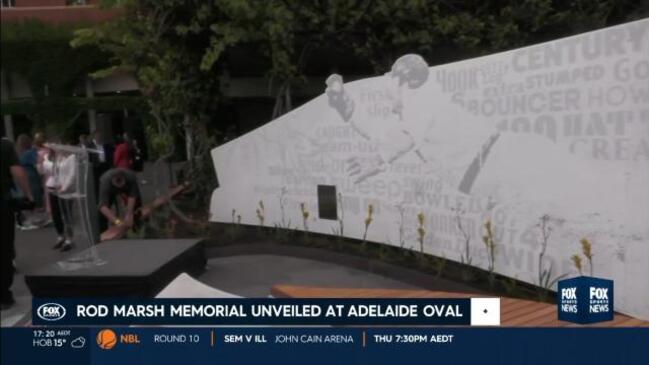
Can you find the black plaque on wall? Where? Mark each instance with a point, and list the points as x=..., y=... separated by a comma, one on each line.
x=327, y=203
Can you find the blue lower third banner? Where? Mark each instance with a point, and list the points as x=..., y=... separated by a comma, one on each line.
x=328, y=345
x=266, y=311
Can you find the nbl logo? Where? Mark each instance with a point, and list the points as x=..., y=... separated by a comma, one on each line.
x=585, y=300
x=106, y=339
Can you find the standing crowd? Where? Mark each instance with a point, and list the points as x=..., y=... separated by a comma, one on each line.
x=31, y=188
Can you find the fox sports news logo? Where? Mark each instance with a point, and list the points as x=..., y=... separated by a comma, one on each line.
x=51, y=311
x=598, y=301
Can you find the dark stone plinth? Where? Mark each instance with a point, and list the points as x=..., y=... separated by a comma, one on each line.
x=131, y=268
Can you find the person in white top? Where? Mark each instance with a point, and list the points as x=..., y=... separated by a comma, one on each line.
x=58, y=206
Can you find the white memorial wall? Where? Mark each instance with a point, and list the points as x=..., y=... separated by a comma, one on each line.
x=558, y=129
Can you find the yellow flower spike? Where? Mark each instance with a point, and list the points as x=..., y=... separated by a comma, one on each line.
x=421, y=231
x=586, y=248
x=577, y=261
x=421, y=218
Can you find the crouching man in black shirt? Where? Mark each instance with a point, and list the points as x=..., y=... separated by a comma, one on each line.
x=121, y=184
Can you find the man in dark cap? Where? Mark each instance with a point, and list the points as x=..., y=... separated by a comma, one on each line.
x=115, y=185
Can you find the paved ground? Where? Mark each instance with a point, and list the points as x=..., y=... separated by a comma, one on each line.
x=33, y=250
x=248, y=276
x=254, y=275
x=34, y=247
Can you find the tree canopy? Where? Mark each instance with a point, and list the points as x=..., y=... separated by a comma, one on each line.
x=41, y=54
x=177, y=48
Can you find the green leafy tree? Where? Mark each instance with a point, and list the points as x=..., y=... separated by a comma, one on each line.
x=176, y=48
x=40, y=53
x=163, y=43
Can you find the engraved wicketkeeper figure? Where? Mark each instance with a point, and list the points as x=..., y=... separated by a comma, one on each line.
x=409, y=71
x=401, y=134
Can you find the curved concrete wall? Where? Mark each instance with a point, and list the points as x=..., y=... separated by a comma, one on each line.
x=558, y=129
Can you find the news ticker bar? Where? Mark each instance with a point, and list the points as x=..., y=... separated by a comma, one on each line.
x=323, y=345
x=266, y=311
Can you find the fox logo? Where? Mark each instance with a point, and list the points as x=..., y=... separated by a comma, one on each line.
x=568, y=293
x=598, y=293
x=51, y=311
x=585, y=299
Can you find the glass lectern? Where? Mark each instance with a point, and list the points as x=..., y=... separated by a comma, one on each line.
x=73, y=173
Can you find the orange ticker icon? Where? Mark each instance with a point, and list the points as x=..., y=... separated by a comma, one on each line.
x=106, y=339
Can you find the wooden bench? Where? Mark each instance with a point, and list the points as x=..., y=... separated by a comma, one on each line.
x=513, y=312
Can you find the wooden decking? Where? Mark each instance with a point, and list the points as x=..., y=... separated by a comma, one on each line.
x=513, y=312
